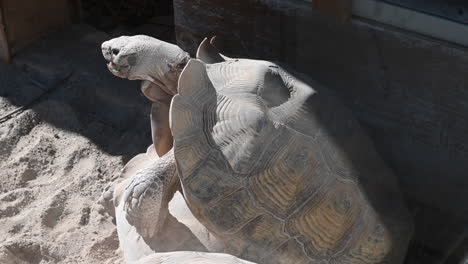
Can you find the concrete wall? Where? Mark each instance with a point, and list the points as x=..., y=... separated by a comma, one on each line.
x=409, y=92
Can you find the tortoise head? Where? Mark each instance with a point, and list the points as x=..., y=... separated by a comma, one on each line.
x=145, y=58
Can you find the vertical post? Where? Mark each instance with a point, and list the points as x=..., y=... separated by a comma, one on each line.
x=340, y=9
x=5, y=55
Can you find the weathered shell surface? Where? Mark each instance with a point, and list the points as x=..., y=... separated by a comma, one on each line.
x=280, y=172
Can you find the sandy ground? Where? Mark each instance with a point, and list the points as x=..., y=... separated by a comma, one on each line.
x=58, y=154
x=50, y=181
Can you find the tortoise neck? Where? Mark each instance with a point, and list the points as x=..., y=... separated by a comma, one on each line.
x=169, y=80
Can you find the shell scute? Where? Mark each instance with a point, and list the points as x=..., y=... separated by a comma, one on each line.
x=237, y=76
x=264, y=234
x=326, y=223
x=291, y=252
x=294, y=176
x=372, y=246
x=240, y=126
x=258, y=238
x=212, y=181
x=193, y=155
x=233, y=212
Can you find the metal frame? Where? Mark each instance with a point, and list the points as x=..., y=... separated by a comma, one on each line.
x=411, y=20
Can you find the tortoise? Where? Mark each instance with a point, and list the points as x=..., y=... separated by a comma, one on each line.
x=278, y=171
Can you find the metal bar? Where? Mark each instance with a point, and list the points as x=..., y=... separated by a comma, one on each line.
x=410, y=20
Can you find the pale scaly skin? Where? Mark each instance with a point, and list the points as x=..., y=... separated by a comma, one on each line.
x=160, y=130
x=159, y=65
x=139, y=199
x=143, y=203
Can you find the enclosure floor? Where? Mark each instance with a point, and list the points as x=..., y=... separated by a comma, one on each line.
x=58, y=154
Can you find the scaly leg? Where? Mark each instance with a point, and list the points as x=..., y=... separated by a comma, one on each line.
x=144, y=223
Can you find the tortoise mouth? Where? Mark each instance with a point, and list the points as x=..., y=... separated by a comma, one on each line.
x=121, y=71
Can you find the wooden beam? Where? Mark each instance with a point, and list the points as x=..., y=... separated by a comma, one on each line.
x=5, y=54
x=340, y=9
x=27, y=20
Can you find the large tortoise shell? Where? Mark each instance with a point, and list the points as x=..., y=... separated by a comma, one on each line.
x=280, y=172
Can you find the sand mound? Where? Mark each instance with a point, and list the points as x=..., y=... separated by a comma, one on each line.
x=50, y=181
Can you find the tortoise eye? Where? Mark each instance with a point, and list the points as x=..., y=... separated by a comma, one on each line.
x=115, y=52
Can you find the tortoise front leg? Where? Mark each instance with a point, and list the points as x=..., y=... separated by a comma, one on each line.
x=160, y=129
x=146, y=198
x=114, y=190
x=144, y=206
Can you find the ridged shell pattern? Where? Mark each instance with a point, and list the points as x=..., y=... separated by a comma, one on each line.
x=259, y=171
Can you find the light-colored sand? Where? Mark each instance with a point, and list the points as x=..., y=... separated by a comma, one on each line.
x=58, y=155
x=50, y=180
